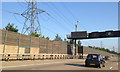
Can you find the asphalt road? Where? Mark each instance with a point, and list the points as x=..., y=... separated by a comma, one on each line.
x=72, y=64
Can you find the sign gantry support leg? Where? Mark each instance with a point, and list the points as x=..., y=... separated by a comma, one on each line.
x=75, y=47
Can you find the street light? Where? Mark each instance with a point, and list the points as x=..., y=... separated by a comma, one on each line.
x=76, y=25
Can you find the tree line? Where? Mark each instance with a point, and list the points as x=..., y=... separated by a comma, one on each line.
x=103, y=49
x=10, y=27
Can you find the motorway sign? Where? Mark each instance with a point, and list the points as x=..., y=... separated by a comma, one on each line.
x=85, y=35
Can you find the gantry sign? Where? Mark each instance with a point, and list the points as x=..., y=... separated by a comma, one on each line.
x=84, y=35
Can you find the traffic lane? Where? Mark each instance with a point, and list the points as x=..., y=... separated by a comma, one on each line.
x=79, y=65
x=61, y=66
x=36, y=62
x=111, y=64
x=40, y=65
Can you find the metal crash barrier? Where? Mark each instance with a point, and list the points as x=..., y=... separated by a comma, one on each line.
x=7, y=57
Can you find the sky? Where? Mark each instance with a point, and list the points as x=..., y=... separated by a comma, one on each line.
x=93, y=16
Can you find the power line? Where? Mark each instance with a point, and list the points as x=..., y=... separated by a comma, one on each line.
x=55, y=19
x=57, y=14
x=50, y=30
x=61, y=13
x=22, y=6
x=41, y=25
x=44, y=18
x=34, y=25
x=17, y=19
x=19, y=3
x=69, y=11
x=31, y=13
x=75, y=18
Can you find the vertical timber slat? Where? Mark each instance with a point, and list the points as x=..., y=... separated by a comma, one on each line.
x=5, y=42
x=30, y=42
x=19, y=43
x=52, y=46
x=61, y=47
x=47, y=47
x=58, y=47
x=39, y=44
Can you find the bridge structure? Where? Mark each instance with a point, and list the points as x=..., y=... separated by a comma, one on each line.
x=79, y=35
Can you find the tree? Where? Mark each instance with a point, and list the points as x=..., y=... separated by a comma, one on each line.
x=57, y=38
x=79, y=43
x=90, y=46
x=103, y=49
x=65, y=40
x=118, y=53
x=10, y=27
x=43, y=36
x=71, y=42
x=35, y=34
x=47, y=38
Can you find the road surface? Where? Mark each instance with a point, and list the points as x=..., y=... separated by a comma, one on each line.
x=64, y=64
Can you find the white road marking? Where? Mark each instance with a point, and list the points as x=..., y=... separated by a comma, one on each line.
x=27, y=65
x=111, y=67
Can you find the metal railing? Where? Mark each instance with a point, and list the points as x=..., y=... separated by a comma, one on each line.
x=12, y=56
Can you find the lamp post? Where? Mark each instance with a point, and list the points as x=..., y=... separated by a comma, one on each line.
x=76, y=25
x=76, y=31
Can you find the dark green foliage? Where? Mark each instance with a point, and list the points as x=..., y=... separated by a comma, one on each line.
x=43, y=36
x=65, y=40
x=71, y=42
x=57, y=38
x=79, y=43
x=107, y=50
x=103, y=49
x=118, y=53
x=47, y=38
x=35, y=34
x=90, y=46
x=10, y=27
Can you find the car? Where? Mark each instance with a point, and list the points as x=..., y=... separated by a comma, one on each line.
x=107, y=57
x=95, y=60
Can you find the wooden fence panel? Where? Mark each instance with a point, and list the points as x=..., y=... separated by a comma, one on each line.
x=35, y=42
x=25, y=40
x=45, y=46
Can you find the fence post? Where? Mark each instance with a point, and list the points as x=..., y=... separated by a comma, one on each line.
x=30, y=42
x=39, y=44
x=5, y=42
x=61, y=47
x=47, y=47
x=19, y=42
x=58, y=47
x=52, y=46
x=64, y=49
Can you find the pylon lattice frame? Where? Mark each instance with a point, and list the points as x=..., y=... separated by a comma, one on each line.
x=31, y=14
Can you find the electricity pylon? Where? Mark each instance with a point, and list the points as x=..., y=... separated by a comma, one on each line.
x=31, y=15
